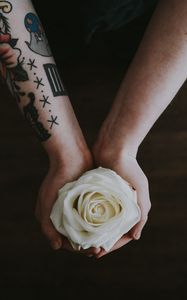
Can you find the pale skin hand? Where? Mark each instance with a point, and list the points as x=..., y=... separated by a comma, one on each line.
x=60, y=173
x=128, y=168
x=157, y=72
x=67, y=163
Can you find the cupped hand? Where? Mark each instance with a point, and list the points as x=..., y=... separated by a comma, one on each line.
x=128, y=168
x=57, y=176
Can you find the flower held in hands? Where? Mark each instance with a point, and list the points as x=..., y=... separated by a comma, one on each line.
x=95, y=210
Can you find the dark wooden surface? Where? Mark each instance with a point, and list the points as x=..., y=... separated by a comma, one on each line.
x=154, y=267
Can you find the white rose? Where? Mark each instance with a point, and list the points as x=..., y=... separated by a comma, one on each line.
x=96, y=210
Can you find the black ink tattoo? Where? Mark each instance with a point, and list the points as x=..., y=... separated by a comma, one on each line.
x=4, y=25
x=54, y=80
x=45, y=100
x=19, y=73
x=38, y=41
x=21, y=93
x=31, y=64
x=18, y=93
x=6, y=6
x=31, y=115
x=39, y=82
x=53, y=121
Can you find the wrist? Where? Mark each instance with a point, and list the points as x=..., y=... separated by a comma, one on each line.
x=108, y=147
x=69, y=158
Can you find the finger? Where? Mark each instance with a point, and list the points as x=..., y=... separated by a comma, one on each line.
x=10, y=64
x=55, y=239
x=122, y=242
x=92, y=251
x=137, y=229
x=7, y=55
x=144, y=204
x=143, y=200
x=52, y=235
x=66, y=244
x=139, y=181
x=5, y=48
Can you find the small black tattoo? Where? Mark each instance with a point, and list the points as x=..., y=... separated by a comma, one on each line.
x=31, y=115
x=31, y=64
x=45, y=100
x=19, y=73
x=53, y=121
x=54, y=80
x=38, y=82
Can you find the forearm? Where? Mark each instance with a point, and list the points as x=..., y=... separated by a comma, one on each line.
x=28, y=68
x=158, y=70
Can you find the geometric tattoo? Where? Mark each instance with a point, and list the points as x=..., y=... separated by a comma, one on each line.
x=38, y=82
x=53, y=121
x=45, y=100
x=31, y=64
x=54, y=80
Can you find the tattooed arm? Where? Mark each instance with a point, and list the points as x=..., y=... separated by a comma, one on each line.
x=158, y=70
x=28, y=68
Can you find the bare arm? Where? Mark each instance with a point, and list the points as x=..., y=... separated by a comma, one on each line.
x=158, y=70
x=155, y=75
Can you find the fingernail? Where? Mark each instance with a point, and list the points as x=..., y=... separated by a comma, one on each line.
x=97, y=250
x=137, y=235
x=90, y=255
x=56, y=245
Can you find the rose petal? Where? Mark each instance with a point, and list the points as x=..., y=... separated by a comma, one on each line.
x=96, y=210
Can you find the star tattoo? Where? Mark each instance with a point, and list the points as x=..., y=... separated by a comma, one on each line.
x=38, y=82
x=53, y=121
x=31, y=63
x=44, y=100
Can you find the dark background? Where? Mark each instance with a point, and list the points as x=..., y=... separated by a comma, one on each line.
x=154, y=267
